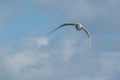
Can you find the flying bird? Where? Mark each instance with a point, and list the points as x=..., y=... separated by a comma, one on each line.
x=78, y=27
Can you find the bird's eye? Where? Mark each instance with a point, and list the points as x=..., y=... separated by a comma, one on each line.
x=77, y=27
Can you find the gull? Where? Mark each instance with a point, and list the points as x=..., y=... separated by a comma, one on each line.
x=78, y=27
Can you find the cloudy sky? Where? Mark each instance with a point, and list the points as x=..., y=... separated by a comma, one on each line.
x=27, y=53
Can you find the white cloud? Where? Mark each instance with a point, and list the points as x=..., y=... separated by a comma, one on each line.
x=71, y=60
x=27, y=59
x=42, y=41
x=68, y=49
x=19, y=61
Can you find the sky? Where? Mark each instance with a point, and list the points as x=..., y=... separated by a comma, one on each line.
x=27, y=53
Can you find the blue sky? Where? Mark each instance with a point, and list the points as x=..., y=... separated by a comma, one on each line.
x=27, y=53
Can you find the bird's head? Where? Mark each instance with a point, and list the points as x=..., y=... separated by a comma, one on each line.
x=79, y=27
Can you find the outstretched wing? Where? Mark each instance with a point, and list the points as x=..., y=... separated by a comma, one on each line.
x=72, y=24
x=86, y=32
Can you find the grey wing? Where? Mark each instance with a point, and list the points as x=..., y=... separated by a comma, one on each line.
x=62, y=26
x=86, y=32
